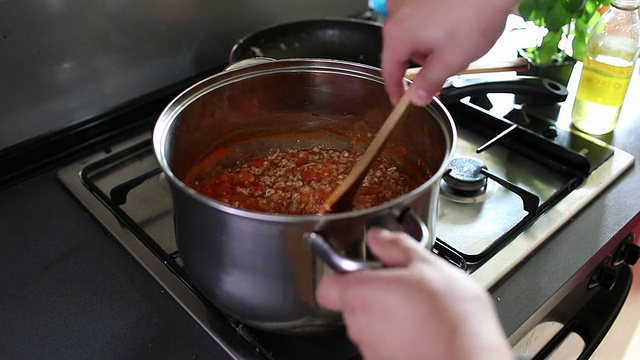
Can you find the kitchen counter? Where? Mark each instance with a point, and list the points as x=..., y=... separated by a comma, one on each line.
x=559, y=264
x=69, y=290
x=622, y=341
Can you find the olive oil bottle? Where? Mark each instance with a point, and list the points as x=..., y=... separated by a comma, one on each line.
x=608, y=64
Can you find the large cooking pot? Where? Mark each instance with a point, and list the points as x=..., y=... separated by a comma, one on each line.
x=258, y=267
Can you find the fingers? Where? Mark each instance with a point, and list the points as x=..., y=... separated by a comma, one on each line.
x=394, y=61
x=329, y=292
x=430, y=79
x=424, y=32
x=393, y=249
x=398, y=49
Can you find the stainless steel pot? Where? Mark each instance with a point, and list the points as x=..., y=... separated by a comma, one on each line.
x=258, y=267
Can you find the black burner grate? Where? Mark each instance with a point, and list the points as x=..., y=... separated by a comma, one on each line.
x=270, y=346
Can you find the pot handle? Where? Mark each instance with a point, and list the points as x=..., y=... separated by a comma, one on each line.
x=319, y=246
x=518, y=85
x=337, y=262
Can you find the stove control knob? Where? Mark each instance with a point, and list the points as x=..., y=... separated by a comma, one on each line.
x=604, y=275
x=633, y=253
x=627, y=251
x=550, y=133
x=608, y=277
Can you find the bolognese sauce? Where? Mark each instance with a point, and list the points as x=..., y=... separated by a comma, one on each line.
x=297, y=181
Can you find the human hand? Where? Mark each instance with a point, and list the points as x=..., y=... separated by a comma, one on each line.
x=418, y=307
x=443, y=37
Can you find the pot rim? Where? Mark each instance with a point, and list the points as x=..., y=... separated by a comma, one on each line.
x=169, y=114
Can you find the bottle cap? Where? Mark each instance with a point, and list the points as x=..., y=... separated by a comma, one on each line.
x=626, y=4
x=380, y=6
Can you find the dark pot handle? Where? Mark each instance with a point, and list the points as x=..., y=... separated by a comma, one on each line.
x=537, y=87
x=319, y=245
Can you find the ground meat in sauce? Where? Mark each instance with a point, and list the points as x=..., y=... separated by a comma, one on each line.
x=296, y=182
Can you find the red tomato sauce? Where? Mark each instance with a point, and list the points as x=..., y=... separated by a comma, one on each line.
x=297, y=182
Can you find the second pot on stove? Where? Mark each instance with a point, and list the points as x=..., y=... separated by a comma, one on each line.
x=344, y=39
x=360, y=41
x=256, y=266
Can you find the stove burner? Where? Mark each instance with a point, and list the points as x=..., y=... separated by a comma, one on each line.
x=465, y=176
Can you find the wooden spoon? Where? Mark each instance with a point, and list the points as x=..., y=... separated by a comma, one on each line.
x=518, y=64
x=341, y=198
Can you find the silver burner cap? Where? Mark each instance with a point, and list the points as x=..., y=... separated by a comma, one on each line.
x=465, y=176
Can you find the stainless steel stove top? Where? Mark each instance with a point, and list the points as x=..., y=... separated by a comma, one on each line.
x=488, y=233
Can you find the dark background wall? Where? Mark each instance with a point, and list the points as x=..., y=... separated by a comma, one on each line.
x=63, y=61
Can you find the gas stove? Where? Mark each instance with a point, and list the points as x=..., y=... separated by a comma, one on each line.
x=509, y=188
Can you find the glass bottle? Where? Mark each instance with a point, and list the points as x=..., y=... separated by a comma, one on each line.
x=614, y=44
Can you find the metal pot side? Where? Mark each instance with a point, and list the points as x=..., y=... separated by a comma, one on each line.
x=256, y=266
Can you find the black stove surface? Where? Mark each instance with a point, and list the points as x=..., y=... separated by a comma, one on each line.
x=149, y=217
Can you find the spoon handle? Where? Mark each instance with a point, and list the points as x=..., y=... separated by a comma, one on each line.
x=342, y=197
x=518, y=64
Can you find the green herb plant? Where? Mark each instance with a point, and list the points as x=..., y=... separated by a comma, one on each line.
x=560, y=19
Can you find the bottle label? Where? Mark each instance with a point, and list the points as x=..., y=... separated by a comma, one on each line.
x=603, y=83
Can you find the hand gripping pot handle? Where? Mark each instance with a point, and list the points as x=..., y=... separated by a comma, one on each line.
x=319, y=245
